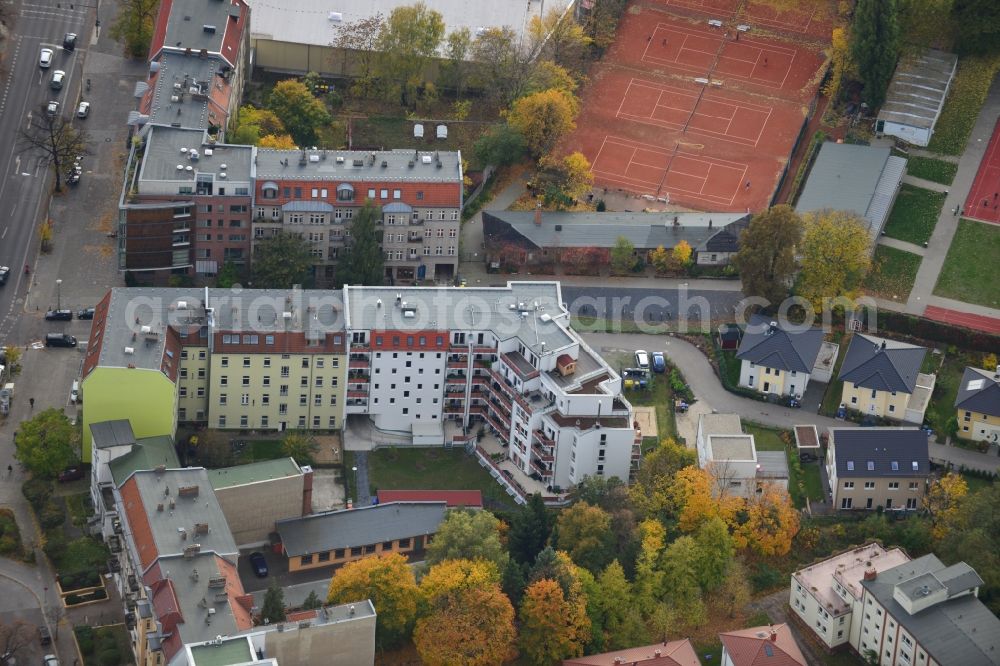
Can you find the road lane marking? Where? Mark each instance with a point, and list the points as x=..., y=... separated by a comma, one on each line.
x=4, y=235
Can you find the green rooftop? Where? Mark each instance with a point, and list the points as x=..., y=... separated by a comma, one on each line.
x=232, y=651
x=146, y=453
x=266, y=470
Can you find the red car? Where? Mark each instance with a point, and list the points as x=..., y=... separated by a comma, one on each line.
x=70, y=474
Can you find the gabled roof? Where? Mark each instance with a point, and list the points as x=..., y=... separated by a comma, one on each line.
x=880, y=452
x=882, y=365
x=763, y=646
x=979, y=392
x=774, y=347
x=674, y=653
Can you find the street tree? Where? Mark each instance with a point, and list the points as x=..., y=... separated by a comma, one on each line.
x=47, y=443
x=977, y=26
x=836, y=256
x=357, y=42
x=12, y=357
x=15, y=637
x=875, y=46
x=623, y=255
x=301, y=446
x=471, y=625
x=472, y=535
x=388, y=581
x=298, y=110
x=584, y=532
x=529, y=531
x=944, y=499
x=503, y=68
x=281, y=261
x=681, y=254
x=134, y=26
x=766, y=258
x=543, y=118
x=552, y=628
x=501, y=146
x=273, y=609
x=362, y=261
x=456, y=68
x=715, y=552
x=408, y=41
x=58, y=142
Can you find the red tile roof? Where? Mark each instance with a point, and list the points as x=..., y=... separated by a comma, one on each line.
x=755, y=647
x=96, y=335
x=674, y=653
x=299, y=616
x=453, y=498
x=135, y=513
x=234, y=588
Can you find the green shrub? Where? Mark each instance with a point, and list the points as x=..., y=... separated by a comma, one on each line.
x=8, y=545
x=85, y=639
x=765, y=578
x=109, y=657
x=37, y=492
x=52, y=514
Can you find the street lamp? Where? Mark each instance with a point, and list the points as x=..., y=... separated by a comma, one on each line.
x=58, y=294
x=357, y=491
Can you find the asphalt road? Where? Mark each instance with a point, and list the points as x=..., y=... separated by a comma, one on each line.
x=652, y=305
x=25, y=176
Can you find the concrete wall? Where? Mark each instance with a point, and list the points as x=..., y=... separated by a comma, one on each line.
x=252, y=509
x=146, y=398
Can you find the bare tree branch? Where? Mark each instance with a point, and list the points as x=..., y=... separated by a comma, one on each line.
x=57, y=140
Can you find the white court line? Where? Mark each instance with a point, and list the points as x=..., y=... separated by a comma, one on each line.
x=787, y=71
x=717, y=37
x=618, y=113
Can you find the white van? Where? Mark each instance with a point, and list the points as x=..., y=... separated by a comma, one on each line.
x=74, y=393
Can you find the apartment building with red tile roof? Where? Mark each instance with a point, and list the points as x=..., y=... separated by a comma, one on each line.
x=772, y=645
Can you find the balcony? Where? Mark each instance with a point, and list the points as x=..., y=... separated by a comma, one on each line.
x=457, y=365
x=478, y=409
x=519, y=365
x=542, y=455
x=357, y=394
x=456, y=379
x=540, y=437
x=545, y=473
x=453, y=409
x=358, y=364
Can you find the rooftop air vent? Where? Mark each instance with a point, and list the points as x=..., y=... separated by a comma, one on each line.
x=129, y=351
x=426, y=159
x=210, y=29
x=314, y=158
x=222, y=176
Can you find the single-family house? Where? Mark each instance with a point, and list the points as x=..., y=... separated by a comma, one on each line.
x=882, y=378
x=776, y=358
x=772, y=645
x=977, y=405
x=732, y=458
x=878, y=467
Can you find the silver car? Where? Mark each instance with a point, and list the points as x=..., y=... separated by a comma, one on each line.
x=57, y=79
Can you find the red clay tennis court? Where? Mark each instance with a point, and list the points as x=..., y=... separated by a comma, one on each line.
x=815, y=20
x=963, y=319
x=984, y=198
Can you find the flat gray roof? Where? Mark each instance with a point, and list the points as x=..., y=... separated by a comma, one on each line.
x=855, y=178
x=918, y=89
x=177, y=74
x=189, y=577
x=188, y=18
x=342, y=165
x=189, y=509
x=721, y=424
x=349, y=528
x=960, y=630
x=315, y=21
x=731, y=447
x=772, y=465
x=497, y=309
x=163, y=156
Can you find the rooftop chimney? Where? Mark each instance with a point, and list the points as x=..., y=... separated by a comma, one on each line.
x=774, y=634
x=871, y=574
x=538, y=215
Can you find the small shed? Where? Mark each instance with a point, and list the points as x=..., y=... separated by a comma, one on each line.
x=729, y=336
x=916, y=96
x=806, y=438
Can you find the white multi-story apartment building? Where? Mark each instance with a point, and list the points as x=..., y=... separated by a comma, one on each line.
x=903, y=612
x=425, y=365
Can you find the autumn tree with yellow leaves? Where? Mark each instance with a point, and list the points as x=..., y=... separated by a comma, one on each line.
x=943, y=500
x=769, y=522
x=543, y=117
x=835, y=256
x=552, y=627
x=389, y=582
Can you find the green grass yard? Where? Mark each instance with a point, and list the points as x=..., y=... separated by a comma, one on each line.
x=835, y=389
x=258, y=450
x=969, y=271
x=928, y=168
x=892, y=274
x=914, y=214
x=769, y=439
x=942, y=405
x=968, y=92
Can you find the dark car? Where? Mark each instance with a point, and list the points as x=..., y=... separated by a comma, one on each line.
x=659, y=363
x=69, y=41
x=43, y=634
x=71, y=474
x=807, y=457
x=4, y=274
x=59, y=315
x=259, y=564
x=86, y=313
x=59, y=340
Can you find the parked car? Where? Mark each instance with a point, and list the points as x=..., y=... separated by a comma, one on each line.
x=74, y=392
x=71, y=474
x=45, y=58
x=86, y=313
x=57, y=79
x=59, y=315
x=59, y=340
x=83, y=110
x=4, y=274
x=43, y=634
x=69, y=41
x=50, y=660
x=642, y=359
x=52, y=108
x=807, y=457
x=259, y=564
x=659, y=363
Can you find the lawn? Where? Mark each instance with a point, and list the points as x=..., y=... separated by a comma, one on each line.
x=942, y=406
x=79, y=508
x=78, y=562
x=729, y=367
x=660, y=397
x=968, y=91
x=258, y=450
x=430, y=469
x=892, y=274
x=104, y=646
x=765, y=439
x=914, y=214
x=768, y=439
x=969, y=271
x=835, y=389
x=928, y=168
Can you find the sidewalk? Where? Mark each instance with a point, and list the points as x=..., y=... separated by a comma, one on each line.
x=968, y=166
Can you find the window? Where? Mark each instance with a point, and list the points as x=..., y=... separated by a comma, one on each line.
x=306, y=559
x=318, y=400
x=916, y=466
x=383, y=194
x=397, y=194
x=913, y=485
x=848, y=484
x=369, y=549
x=223, y=399
x=894, y=485
x=850, y=465
x=404, y=543
x=338, y=554
x=222, y=421
x=871, y=465
x=869, y=485
x=846, y=503
x=895, y=465
x=244, y=421
x=245, y=399
x=223, y=380
x=324, y=556
x=224, y=361
x=246, y=380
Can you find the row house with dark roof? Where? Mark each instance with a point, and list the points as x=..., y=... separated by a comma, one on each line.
x=778, y=358
x=882, y=378
x=878, y=468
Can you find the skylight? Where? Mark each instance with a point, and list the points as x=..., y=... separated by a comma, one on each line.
x=974, y=384
x=871, y=465
x=895, y=465
x=916, y=466
x=850, y=465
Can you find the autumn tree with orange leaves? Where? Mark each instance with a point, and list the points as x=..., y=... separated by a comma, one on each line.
x=552, y=628
x=692, y=501
x=388, y=581
x=770, y=522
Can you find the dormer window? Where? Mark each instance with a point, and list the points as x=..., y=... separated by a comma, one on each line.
x=850, y=465
x=871, y=465
x=916, y=466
